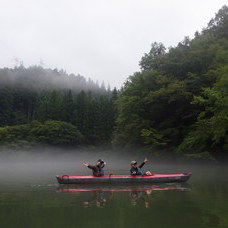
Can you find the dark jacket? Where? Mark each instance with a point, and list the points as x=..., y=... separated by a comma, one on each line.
x=137, y=170
x=97, y=170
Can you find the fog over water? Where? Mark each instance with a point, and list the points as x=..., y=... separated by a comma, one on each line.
x=42, y=167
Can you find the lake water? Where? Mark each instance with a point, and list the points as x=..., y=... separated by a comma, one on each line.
x=31, y=197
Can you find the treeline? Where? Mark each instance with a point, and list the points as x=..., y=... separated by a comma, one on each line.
x=33, y=99
x=179, y=101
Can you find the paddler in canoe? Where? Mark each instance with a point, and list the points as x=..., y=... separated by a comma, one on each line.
x=97, y=169
x=136, y=170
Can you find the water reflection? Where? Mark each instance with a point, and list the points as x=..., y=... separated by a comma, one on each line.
x=98, y=200
x=140, y=198
x=138, y=195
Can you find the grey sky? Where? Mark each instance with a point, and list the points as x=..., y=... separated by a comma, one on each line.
x=100, y=39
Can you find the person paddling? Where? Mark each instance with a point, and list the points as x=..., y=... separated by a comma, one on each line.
x=97, y=169
x=136, y=170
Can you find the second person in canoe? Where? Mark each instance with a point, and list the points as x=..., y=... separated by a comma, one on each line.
x=136, y=170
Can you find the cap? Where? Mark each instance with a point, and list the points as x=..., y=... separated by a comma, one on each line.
x=133, y=162
x=100, y=160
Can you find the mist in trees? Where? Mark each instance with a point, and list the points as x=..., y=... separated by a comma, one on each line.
x=40, y=105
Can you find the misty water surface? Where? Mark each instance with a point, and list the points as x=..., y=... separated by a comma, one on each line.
x=31, y=197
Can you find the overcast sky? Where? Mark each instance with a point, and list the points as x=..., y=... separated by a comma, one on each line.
x=100, y=39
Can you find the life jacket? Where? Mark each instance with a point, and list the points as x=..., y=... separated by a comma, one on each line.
x=137, y=170
x=99, y=172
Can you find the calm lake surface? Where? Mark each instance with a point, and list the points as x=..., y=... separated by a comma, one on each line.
x=31, y=197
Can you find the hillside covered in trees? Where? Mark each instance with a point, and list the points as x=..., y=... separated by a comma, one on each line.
x=177, y=102
x=49, y=106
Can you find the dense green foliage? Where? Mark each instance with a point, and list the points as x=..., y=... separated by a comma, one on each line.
x=67, y=108
x=51, y=132
x=180, y=98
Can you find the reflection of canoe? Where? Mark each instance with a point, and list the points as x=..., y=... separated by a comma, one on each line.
x=123, y=179
x=116, y=188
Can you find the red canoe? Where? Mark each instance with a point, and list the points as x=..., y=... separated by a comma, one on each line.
x=123, y=179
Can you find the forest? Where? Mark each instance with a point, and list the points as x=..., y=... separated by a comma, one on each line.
x=50, y=107
x=177, y=103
